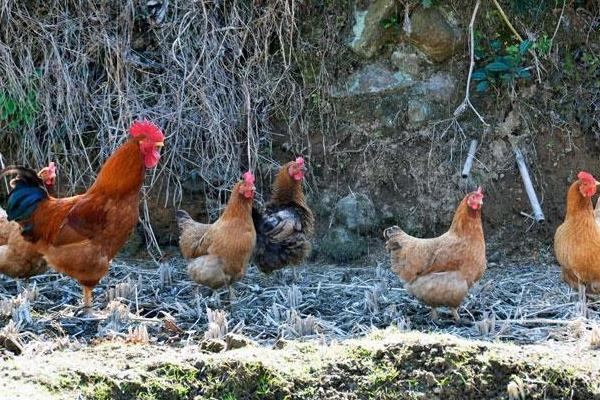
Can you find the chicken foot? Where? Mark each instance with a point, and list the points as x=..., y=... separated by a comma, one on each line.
x=87, y=309
x=435, y=316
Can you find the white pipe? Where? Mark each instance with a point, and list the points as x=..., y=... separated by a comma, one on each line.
x=533, y=200
x=469, y=161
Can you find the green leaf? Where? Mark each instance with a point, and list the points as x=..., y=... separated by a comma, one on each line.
x=496, y=44
x=479, y=53
x=497, y=66
x=479, y=75
x=524, y=73
x=525, y=46
x=426, y=3
x=507, y=78
x=27, y=119
x=10, y=106
x=482, y=86
x=511, y=61
x=513, y=49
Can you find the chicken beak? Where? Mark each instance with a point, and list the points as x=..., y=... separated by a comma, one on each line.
x=597, y=183
x=159, y=144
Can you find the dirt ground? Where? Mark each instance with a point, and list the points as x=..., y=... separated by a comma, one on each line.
x=155, y=313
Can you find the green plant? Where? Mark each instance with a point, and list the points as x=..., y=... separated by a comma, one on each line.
x=501, y=65
x=16, y=113
x=428, y=3
x=543, y=45
x=391, y=22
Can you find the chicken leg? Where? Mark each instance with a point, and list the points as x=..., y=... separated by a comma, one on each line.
x=87, y=297
x=455, y=313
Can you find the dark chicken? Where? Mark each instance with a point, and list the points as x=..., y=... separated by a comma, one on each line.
x=285, y=228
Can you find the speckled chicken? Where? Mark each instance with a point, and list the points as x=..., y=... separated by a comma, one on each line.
x=286, y=226
x=439, y=271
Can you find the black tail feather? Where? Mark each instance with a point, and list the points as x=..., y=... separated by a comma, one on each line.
x=182, y=216
x=24, y=175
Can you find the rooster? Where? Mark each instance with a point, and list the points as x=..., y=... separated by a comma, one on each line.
x=440, y=271
x=577, y=239
x=80, y=235
x=286, y=226
x=18, y=259
x=218, y=253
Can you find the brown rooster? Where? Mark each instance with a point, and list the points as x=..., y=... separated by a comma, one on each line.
x=440, y=271
x=285, y=228
x=80, y=235
x=577, y=239
x=18, y=259
x=218, y=253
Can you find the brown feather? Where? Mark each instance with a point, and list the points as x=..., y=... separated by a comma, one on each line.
x=79, y=235
x=229, y=242
x=438, y=270
x=18, y=258
x=577, y=242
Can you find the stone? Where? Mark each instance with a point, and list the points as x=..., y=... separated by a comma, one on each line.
x=357, y=213
x=235, y=341
x=439, y=86
x=418, y=112
x=11, y=343
x=213, y=345
x=433, y=34
x=368, y=33
x=499, y=150
x=280, y=344
x=373, y=79
x=341, y=245
x=406, y=61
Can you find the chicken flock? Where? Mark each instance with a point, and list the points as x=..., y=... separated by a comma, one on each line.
x=79, y=235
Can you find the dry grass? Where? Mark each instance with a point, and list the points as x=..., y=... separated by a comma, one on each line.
x=517, y=303
x=211, y=75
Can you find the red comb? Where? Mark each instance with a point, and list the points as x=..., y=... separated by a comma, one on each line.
x=585, y=176
x=248, y=178
x=300, y=161
x=52, y=166
x=479, y=190
x=146, y=128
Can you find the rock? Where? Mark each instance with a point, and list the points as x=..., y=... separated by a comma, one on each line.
x=134, y=244
x=368, y=33
x=213, y=345
x=357, y=213
x=433, y=34
x=341, y=245
x=11, y=343
x=373, y=79
x=280, y=344
x=406, y=61
x=499, y=151
x=510, y=124
x=439, y=86
x=235, y=341
x=418, y=112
